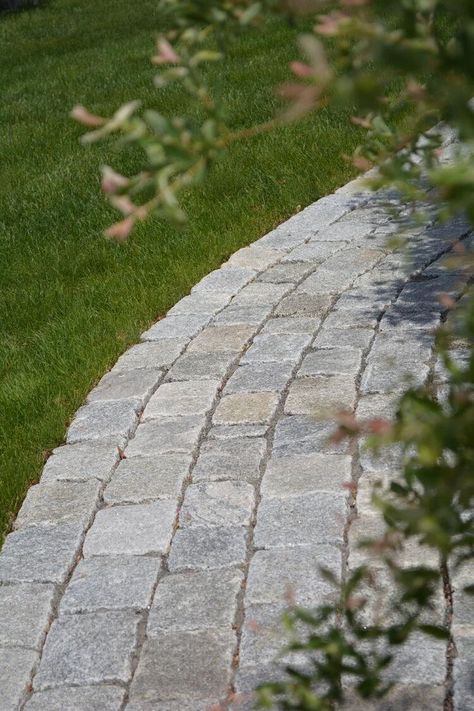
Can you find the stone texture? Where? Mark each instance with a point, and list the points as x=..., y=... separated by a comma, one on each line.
x=177, y=326
x=204, y=303
x=84, y=698
x=152, y=354
x=141, y=479
x=321, y=395
x=292, y=324
x=277, y=348
x=245, y=314
x=114, y=583
x=244, y=407
x=59, y=502
x=102, y=420
x=200, y=547
x=260, y=377
x=301, y=303
x=300, y=520
x=331, y=361
x=237, y=431
x=225, y=281
x=282, y=573
x=235, y=459
x=88, y=649
x=355, y=338
x=136, y=385
x=261, y=294
x=25, y=612
x=193, y=397
x=200, y=660
x=314, y=251
x=302, y=434
x=463, y=673
x=141, y=529
x=306, y=473
x=16, y=668
x=218, y=503
x=81, y=462
x=164, y=435
x=402, y=697
x=254, y=258
x=40, y=554
x=285, y=273
x=185, y=602
x=201, y=366
x=222, y=339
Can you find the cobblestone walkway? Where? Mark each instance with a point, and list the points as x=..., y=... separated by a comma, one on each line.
x=149, y=568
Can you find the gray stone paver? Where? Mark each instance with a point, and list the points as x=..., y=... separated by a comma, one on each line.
x=199, y=492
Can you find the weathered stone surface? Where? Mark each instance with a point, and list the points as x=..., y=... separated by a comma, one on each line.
x=285, y=273
x=280, y=573
x=136, y=385
x=40, y=554
x=114, y=583
x=463, y=672
x=300, y=434
x=88, y=649
x=421, y=660
x=348, y=229
x=300, y=520
x=281, y=240
x=234, y=459
x=59, y=502
x=177, y=326
x=237, y=314
x=237, y=431
x=393, y=374
x=187, y=397
x=167, y=434
x=182, y=704
x=226, y=281
x=72, y=698
x=152, y=354
x=204, y=303
x=260, y=377
x=261, y=294
x=319, y=395
x=276, y=348
x=326, y=283
x=305, y=473
x=140, y=529
x=81, y=462
x=218, y=503
x=244, y=407
x=200, y=660
x=263, y=635
x=254, y=258
x=16, y=668
x=142, y=479
x=402, y=697
x=194, y=601
x=201, y=366
x=378, y=405
x=301, y=303
x=401, y=317
x=331, y=361
x=291, y=324
x=25, y=612
x=361, y=317
x=102, y=420
x=222, y=339
x=356, y=338
x=200, y=547
x=314, y=251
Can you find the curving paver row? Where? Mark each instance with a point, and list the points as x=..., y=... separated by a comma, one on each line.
x=198, y=491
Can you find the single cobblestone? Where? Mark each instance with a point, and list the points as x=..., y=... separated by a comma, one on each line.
x=84, y=698
x=141, y=529
x=186, y=602
x=244, y=407
x=142, y=479
x=81, y=462
x=88, y=649
x=59, y=502
x=102, y=420
x=187, y=397
x=234, y=459
x=218, y=503
x=204, y=548
x=25, y=612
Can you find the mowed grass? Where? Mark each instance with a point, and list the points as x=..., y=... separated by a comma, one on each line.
x=70, y=301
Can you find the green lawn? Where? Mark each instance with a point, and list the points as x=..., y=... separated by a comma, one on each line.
x=71, y=302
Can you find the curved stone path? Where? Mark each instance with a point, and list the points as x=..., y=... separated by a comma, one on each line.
x=197, y=489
